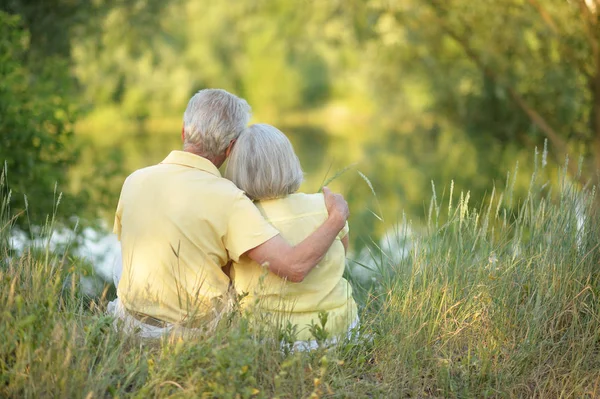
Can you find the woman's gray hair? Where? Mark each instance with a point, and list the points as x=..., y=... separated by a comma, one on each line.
x=263, y=163
x=212, y=119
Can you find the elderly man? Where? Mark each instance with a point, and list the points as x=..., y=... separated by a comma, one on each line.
x=180, y=222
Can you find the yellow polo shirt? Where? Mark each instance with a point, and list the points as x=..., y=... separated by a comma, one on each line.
x=296, y=217
x=179, y=223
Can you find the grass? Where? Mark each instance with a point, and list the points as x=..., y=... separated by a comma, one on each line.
x=496, y=302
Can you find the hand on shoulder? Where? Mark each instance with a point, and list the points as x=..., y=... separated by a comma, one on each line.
x=336, y=205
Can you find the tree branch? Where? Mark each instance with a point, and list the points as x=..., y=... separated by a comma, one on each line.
x=545, y=16
x=589, y=21
x=566, y=49
x=587, y=10
x=556, y=141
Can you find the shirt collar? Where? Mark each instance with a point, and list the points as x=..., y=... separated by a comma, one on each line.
x=192, y=161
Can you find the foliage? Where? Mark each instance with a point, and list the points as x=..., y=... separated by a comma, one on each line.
x=507, y=72
x=409, y=91
x=36, y=127
x=39, y=102
x=273, y=65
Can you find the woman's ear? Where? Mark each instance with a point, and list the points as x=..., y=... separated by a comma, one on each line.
x=183, y=133
x=229, y=148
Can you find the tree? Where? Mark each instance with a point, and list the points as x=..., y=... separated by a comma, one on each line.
x=39, y=99
x=514, y=71
x=36, y=136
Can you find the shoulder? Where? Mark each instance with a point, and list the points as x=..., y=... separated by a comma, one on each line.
x=202, y=183
x=229, y=190
x=136, y=178
x=142, y=173
x=224, y=192
x=294, y=205
x=312, y=202
x=186, y=182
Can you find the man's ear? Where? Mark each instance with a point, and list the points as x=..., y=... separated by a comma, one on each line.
x=229, y=148
x=183, y=133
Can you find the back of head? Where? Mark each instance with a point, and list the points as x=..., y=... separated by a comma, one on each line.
x=263, y=163
x=212, y=119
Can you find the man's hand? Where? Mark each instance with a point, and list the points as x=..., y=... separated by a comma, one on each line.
x=337, y=207
x=294, y=263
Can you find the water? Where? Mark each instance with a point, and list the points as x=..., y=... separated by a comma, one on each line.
x=92, y=246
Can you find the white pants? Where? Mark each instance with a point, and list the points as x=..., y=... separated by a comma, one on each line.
x=309, y=345
x=131, y=325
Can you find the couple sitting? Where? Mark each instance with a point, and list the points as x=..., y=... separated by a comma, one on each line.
x=181, y=225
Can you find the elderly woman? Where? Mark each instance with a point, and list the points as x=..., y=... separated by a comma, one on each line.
x=264, y=165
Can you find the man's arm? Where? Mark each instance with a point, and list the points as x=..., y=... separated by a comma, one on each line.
x=294, y=263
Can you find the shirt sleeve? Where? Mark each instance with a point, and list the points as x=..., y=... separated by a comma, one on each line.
x=344, y=232
x=246, y=229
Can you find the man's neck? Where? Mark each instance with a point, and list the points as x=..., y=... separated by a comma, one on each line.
x=217, y=161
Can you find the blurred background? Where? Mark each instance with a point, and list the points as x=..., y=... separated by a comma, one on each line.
x=395, y=99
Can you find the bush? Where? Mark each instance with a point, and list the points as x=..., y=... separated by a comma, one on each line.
x=36, y=124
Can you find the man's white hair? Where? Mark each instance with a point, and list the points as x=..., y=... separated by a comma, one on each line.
x=263, y=164
x=212, y=119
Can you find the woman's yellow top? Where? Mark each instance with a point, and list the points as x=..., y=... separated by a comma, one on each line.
x=296, y=217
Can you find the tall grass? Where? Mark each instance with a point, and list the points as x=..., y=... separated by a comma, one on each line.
x=496, y=302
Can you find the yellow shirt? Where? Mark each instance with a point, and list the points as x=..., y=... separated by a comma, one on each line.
x=296, y=217
x=179, y=223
